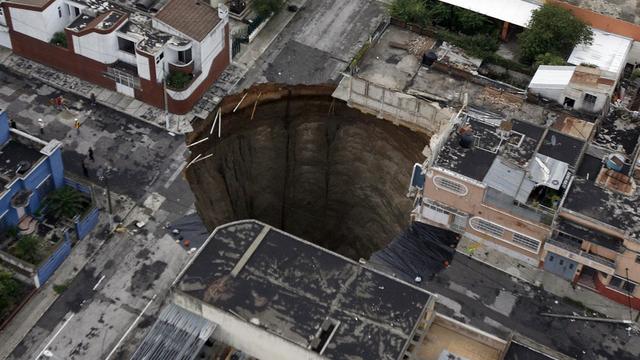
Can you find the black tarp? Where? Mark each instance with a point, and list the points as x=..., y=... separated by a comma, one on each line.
x=421, y=250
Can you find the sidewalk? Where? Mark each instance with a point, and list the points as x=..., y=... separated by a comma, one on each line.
x=81, y=255
x=544, y=279
x=147, y=113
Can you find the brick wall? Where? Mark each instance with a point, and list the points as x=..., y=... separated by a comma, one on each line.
x=61, y=59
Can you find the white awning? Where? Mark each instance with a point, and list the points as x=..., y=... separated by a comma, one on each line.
x=517, y=12
x=552, y=77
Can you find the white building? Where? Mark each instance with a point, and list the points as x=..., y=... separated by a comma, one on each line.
x=186, y=45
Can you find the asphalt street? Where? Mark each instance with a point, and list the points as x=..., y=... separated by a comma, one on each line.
x=101, y=303
x=495, y=302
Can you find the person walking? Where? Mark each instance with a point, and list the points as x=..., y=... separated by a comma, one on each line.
x=41, y=123
x=13, y=124
x=91, y=154
x=85, y=171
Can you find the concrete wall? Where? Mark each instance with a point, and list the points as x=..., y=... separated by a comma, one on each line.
x=242, y=335
x=98, y=47
x=5, y=39
x=41, y=24
x=396, y=106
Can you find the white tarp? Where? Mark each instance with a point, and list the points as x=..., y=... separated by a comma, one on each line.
x=517, y=12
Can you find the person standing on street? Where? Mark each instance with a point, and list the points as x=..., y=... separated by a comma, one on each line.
x=91, y=154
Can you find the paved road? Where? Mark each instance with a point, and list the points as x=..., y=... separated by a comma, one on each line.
x=318, y=43
x=493, y=301
x=123, y=276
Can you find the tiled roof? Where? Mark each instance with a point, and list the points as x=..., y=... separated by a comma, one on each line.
x=194, y=18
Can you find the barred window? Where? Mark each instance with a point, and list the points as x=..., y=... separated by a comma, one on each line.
x=527, y=242
x=483, y=226
x=450, y=185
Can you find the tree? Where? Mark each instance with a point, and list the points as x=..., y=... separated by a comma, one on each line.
x=411, y=11
x=554, y=30
x=66, y=202
x=265, y=8
x=9, y=291
x=29, y=248
x=548, y=59
x=470, y=22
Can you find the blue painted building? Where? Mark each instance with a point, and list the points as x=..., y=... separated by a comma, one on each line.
x=30, y=168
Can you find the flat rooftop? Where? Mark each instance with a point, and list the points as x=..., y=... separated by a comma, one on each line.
x=292, y=286
x=607, y=51
x=12, y=155
x=604, y=205
x=562, y=147
x=617, y=133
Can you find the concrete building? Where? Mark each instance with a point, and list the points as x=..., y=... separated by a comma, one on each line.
x=557, y=196
x=589, y=85
x=29, y=169
x=136, y=54
x=265, y=294
x=580, y=88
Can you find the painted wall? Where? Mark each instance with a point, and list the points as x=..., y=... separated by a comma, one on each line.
x=98, y=47
x=142, y=62
x=472, y=204
x=5, y=39
x=245, y=336
x=41, y=25
x=49, y=266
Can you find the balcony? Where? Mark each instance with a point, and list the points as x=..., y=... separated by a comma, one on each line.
x=572, y=251
x=179, y=66
x=498, y=200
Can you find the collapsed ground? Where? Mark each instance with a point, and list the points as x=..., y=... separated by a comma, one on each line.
x=308, y=165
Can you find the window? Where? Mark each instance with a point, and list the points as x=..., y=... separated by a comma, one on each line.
x=59, y=11
x=590, y=99
x=76, y=11
x=486, y=227
x=569, y=102
x=184, y=56
x=527, y=242
x=450, y=185
x=622, y=285
x=637, y=259
x=123, y=78
x=126, y=45
x=160, y=57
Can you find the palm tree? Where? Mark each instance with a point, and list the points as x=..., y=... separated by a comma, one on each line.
x=66, y=202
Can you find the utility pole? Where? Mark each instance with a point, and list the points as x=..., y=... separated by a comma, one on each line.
x=104, y=176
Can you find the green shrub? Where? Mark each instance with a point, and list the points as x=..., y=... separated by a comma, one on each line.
x=59, y=39
x=178, y=80
x=60, y=288
x=480, y=45
x=548, y=59
x=553, y=30
x=66, y=203
x=29, y=248
x=265, y=8
x=9, y=292
x=411, y=11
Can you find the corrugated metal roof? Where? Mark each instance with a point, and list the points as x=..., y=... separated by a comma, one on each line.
x=552, y=77
x=504, y=178
x=517, y=12
x=608, y=52
x=178, y=334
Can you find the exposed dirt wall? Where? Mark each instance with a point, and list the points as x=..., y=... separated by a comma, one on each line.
x=306, y=164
